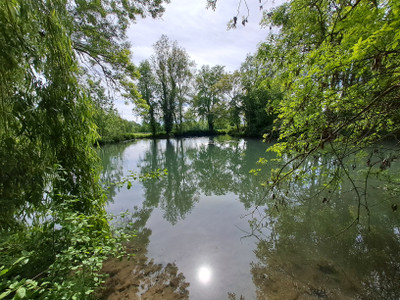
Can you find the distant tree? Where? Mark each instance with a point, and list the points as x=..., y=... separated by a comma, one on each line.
x=184, y=76
x=258, y=95
x=232, y=89
x=209, y=95
x=146, y=87
x=171, y=67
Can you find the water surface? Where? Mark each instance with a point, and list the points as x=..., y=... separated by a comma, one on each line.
x=207, y=229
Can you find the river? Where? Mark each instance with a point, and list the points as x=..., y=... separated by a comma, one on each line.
x=208, y=230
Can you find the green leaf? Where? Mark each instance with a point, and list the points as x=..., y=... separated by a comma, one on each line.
x=5, y=294
x=21, y=292
x=2, y=272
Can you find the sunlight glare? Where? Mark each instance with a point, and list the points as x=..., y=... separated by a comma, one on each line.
x=204, y=274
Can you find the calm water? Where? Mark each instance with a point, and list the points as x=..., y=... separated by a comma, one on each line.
x=212, y=221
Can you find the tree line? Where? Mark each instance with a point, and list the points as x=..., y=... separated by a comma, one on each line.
x=176, y=97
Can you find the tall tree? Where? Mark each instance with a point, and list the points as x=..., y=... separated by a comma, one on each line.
x=171, y=66
x=146, y=87
x=184, y=76
x=209, y=96
x=232, y=89
x=260, y=93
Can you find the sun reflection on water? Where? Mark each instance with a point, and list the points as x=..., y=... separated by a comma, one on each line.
x=204, y=274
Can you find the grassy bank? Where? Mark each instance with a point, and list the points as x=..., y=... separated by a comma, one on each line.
x=187, y=133
x=124, y=137
x=145, y=135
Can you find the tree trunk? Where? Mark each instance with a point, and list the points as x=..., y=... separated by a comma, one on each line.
x=152, y=122
x=210, y=120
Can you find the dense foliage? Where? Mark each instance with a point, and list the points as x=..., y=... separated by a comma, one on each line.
x=338, y=64
x=54, y=231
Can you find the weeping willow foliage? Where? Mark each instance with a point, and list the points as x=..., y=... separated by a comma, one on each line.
x=52, y=217
x=47, y=129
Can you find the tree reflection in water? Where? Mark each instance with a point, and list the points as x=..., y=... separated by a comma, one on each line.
x=305, y=248
x=214, y=168
x=111, y=157
x=308, y=250
x=175, y=193
x=196, y=167
x=140, y=277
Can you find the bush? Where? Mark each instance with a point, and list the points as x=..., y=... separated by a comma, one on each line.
x=60, y=257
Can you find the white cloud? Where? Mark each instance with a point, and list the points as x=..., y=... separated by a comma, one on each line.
x=202, y=32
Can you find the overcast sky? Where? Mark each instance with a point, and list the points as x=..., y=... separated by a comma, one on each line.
x=201, y=32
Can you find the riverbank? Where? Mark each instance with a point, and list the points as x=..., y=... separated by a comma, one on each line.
x=163, y=135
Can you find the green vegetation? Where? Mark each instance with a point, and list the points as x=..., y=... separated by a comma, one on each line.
x=331, y=73
x=208, y=102
x=326, y=82
x=54, y=230
x=147, y=86
x=338, y=63
x=177, y=99
x=171, y=66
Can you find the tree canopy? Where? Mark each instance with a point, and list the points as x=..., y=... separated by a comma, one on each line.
x=171, y=66
x=208, y=100
x=338, y=65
